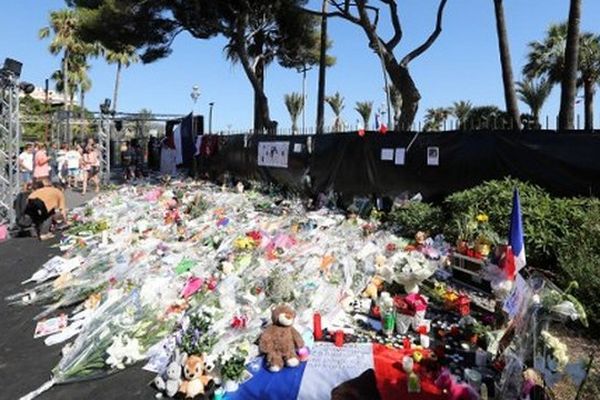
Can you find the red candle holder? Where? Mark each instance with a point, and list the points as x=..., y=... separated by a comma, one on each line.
x=339, y=338
x=317, y=329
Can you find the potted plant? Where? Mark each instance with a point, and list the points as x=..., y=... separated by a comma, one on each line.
x=464, y=228
x=233, y=367
x=484, y=235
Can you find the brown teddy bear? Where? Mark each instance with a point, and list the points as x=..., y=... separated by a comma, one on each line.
x=280, y=340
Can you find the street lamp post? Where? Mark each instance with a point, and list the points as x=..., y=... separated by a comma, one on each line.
x=210, y=113
x=304, y=70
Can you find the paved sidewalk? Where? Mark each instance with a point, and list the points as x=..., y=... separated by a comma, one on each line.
x=26, y=363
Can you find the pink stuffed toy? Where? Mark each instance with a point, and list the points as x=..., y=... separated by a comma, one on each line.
x=455, y=391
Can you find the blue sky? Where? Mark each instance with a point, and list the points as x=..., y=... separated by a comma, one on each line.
x=462, y=64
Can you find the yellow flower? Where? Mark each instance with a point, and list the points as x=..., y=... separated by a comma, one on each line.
x=244, y=243
x=482, y=218
x=417, y=356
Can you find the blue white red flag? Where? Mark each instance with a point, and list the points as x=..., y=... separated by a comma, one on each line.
x=515, y=253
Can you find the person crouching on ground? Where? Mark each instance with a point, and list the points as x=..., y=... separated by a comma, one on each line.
x=42, y=205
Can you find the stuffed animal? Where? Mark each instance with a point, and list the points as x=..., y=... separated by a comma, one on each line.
x=193, y=372
x=455, y=391
x=170, y=386
x=280, y=341
x=372, y=290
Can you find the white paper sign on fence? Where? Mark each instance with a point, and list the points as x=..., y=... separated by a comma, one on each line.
x=273, y=154
x=400, y=155
x=387, y=154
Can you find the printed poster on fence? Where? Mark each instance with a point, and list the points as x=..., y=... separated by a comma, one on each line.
x=273, y=154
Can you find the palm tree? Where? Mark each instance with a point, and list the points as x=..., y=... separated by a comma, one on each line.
x=364, y=108
x=510, y=96
x=460, y=110
x=569, y=80
x=547, y=59
x=294, y=104
x=534, y=94
x=336, y=102
x=435, y=118
x=63, y=25
x=123, y=59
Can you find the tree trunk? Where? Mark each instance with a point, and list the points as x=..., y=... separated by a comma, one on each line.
x=117, y=83
x=322, y=72
x=589, y=90
x=65, y=68
x=400, y=77
x=259, y=71
x=82, y=123
x=566, y=114
x=510, y=96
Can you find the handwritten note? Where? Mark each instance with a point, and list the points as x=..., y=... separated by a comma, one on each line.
x=329, y=366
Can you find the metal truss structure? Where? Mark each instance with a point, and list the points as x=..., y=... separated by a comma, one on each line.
x=10, y=137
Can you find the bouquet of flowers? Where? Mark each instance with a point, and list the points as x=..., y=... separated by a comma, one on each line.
x=410, y=269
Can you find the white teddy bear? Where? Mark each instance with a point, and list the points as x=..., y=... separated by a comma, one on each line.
x=170, y=386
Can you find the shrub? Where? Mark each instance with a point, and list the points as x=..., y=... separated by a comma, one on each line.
x=415, y=216
x=579, y=260
x=548, y=222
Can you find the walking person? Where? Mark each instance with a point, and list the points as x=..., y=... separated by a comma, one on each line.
x=41, y=161
x=52, y=154
x=73, y=159
x=42, y=205
x=91, y=167
x=26, y=166
x=61, y=163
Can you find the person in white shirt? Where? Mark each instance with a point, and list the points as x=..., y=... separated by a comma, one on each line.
x=73, y=159
x=26, y=165
x=61, y=160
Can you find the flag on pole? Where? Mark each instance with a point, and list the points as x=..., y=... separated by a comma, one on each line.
x=380, y=125
x=515, y=253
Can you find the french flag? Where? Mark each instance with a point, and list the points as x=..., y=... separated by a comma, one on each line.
x=515, y=252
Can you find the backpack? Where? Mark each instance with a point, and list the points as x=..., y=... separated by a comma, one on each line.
x=23, y=220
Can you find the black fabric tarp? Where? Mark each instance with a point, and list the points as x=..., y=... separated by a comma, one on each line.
x=563, y=163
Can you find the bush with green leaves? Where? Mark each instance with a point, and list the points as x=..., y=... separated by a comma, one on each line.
x=414, y=216
x=579, y=260
x=548, y=221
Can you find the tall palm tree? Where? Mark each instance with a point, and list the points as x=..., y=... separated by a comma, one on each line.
x=510, y=96
x=62, y=27
x=547, y=59
x=435, y=118
x=294, y=103
x=364, y=108
x=460, y=110
x=589, y=65
x=534, y=94
x=569, y=81
x=123, y=59
x=336, y=102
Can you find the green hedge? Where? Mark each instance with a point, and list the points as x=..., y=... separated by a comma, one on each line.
x=416, y=216
x=548, y=222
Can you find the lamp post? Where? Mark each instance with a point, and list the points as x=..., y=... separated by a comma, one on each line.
x=195, y=95
x=210, y=112
x=304, y=70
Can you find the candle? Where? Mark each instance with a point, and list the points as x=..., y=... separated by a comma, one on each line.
x=339, y=338
x=317, y=330
x=406, y=343
x=424, y=339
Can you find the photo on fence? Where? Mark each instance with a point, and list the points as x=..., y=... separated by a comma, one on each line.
x=433, y=156
x=273, y=154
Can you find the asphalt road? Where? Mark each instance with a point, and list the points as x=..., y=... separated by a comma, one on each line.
x=26, y=363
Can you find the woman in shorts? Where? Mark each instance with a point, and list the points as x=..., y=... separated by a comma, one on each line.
x=91, y=167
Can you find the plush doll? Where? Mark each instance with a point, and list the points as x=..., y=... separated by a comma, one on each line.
x=372, y=290
x=195, y=381
x=170, y=386
x=455, y=391
x=280, y=341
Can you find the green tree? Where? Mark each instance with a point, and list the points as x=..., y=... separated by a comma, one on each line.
x=336, y=102
x=460, y=110
x=366, y=15
x=294, y=104
x=534, y=94
x=364, y=108
x=257, y=32
x=546, y=59
x=486, y=117
x=435, y=118
x=510, y=96
x=566, y=114
x=122, y=58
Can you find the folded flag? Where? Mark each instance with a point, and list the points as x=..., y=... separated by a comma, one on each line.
x=515, y=251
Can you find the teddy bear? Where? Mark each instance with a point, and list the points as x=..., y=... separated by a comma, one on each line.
x=280, y=340
x=170, y=386
x=373, y=288
x=195, y=381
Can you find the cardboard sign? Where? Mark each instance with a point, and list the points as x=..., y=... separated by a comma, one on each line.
x=273, y=154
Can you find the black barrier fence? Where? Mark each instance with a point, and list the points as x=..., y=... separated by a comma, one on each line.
x=435, y=164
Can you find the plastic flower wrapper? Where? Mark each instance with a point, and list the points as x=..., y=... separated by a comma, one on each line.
x=410, y=269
